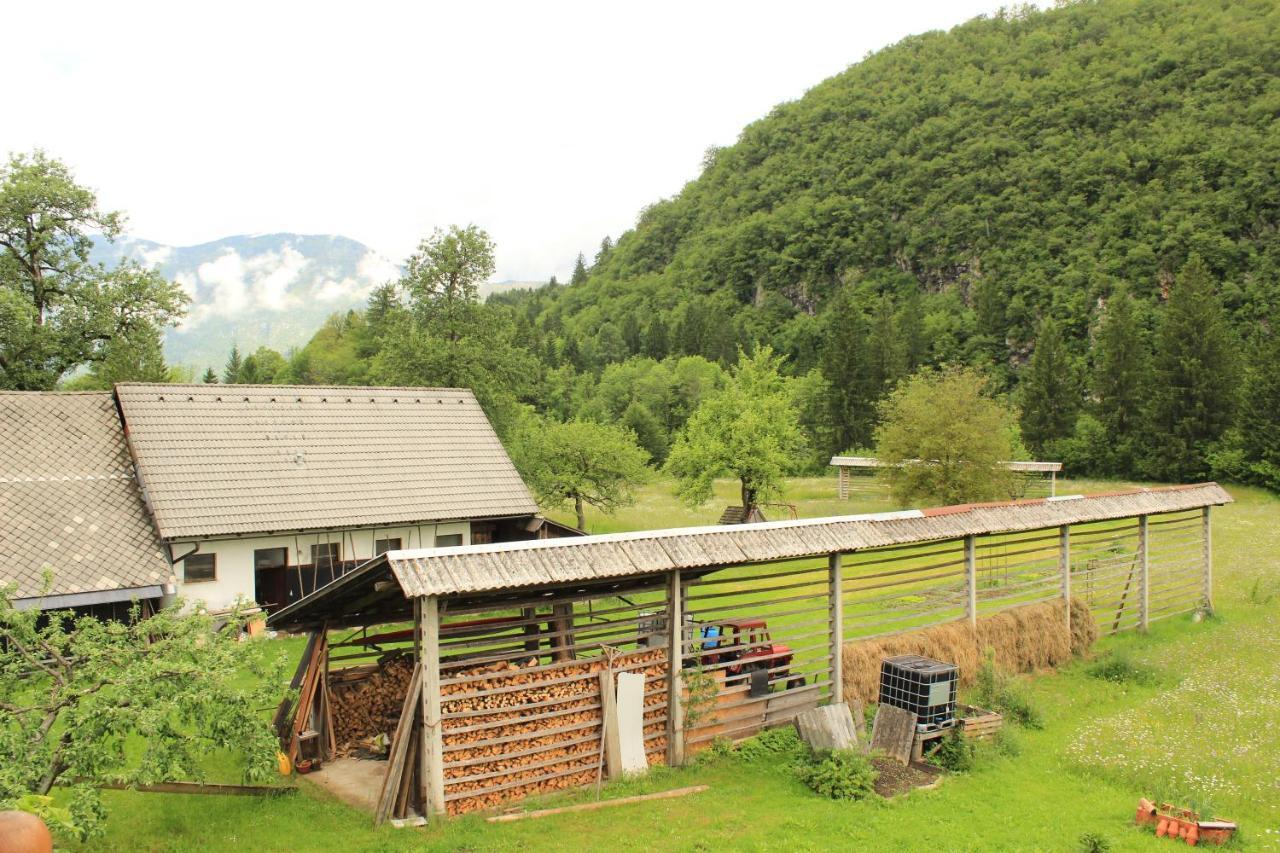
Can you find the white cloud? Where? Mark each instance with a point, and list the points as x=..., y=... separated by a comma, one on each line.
x=226, y=278
x=273, y=274
x=374, y=269
x=156, y=256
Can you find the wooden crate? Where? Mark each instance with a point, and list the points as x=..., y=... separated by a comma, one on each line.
x=978, y=722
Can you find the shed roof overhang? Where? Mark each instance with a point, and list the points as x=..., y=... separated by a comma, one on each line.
x=382, y=590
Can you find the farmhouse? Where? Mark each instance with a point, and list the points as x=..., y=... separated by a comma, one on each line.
x=264, y=493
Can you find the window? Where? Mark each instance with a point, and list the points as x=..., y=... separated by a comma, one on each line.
x=326, y=555
x=382, y=546
x=446, y=540
x=199, y=568
x=270, y=558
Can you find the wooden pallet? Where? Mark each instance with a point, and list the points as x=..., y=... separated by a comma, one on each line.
x=978, y=722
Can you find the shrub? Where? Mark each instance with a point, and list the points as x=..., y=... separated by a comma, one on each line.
x=844, y=774
x=1006, y=742
x=995, y=690
x=1092, y=842
x=772, y=745
x=1118, y=668
x=955, y=752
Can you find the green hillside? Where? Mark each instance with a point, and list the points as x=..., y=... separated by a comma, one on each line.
x=980, y=197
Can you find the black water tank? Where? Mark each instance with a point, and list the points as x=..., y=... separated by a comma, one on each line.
x=925, y=687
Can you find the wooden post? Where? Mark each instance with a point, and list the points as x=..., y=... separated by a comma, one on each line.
x=432, y=731
x=1144, y=575
x=1064, y=565
x=675, y=658
x=971, y=581
x=612, y=744
x=1207, y=545
x=843, y=474
x=836, y=600
x=1053, y=484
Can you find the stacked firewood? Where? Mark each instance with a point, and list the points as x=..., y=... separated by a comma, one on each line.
x=503, y=700
x=367, y=701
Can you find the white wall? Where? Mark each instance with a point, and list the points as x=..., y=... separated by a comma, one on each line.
x=235, y=575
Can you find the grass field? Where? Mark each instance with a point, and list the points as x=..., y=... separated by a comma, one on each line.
x=1201, y=724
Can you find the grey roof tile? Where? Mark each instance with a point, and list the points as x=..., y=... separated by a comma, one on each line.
x=69, y=503
x=232, y=459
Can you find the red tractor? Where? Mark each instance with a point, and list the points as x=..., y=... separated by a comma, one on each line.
x=743, y=646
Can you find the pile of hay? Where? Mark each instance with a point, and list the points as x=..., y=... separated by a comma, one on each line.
x=1023, y=639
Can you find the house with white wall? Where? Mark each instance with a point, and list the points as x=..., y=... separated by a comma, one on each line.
x=242, y=492
x=268, y=492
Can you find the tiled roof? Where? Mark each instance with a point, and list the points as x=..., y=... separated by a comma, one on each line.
x=229, y=459
x=69, y=502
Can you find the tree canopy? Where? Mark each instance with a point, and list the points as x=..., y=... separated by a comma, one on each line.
x=942, y=438
x=58, y=310
x=748, y=430
x=580, y=463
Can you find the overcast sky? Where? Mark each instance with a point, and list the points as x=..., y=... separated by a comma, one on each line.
x=548, y=124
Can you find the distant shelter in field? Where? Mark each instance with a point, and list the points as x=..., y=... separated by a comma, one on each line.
x=859, y=474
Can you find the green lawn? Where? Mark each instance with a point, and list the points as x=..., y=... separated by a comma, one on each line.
x=1204, y=727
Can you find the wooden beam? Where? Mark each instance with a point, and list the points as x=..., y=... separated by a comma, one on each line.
x=433, y=729
x=675, y=658
x=202, y=788
x=599, y=804
x=1144, y=576
x=835, y=598
x=399, y=749
x=1207, y=546
x=971, y=581
x=1064, y=566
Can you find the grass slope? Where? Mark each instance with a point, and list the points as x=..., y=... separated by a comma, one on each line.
x=1202, y=727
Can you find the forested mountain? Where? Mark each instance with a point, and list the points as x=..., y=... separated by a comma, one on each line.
x=1082, y=203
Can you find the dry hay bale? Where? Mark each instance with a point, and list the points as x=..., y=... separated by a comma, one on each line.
x=1023, y=639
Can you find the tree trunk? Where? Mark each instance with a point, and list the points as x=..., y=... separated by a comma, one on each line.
x=582, y=515
x=748, y=500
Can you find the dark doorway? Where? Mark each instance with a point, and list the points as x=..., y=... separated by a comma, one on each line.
x=270, y=587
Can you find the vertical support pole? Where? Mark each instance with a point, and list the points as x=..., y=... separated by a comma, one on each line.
x=1064, y=565
x=835, y=598
x=1144, y=578
x=1053, y=484
x=1207, y=545
x=971, y=581
x=432, y=731
x=675, y=657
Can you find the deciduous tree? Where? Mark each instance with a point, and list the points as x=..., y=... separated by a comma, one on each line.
x=85, y=701
x=749, y=431
x=580, y=463
x=57, y=310
x=942, y=437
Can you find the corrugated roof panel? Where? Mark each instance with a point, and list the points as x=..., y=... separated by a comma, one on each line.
x=478, y=568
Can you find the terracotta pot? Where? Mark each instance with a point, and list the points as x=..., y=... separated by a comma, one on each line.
x=1162, y=827
x=23, y=832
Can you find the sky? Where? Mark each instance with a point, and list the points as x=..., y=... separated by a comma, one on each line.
x=549, y=124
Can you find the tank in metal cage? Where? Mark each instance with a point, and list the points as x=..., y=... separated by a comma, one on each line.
x=925, y=687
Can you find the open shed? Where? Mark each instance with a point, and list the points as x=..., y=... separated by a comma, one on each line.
x=499, y=673
x=858, y=474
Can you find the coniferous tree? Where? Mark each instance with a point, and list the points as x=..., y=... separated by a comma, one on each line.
x=1260, y=410
x=606, y=246
x=885, y=349
x=210, y=377
x=1121, y=379
x=1050, y=390
x=910, y=322
x=655, y=343
x=631, y=333
x=1194, y=377
x=231, y=372
x=579, y=270
x=845, y=363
